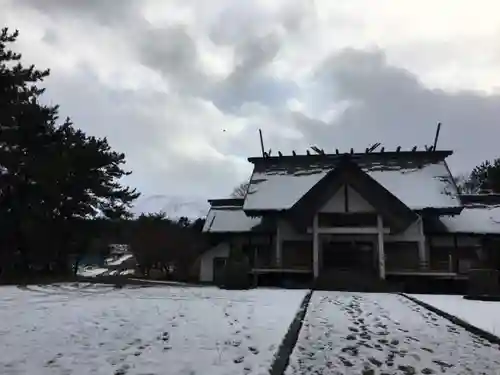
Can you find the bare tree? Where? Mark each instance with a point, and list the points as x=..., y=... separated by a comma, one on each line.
x=240, y=190
x=464, y=184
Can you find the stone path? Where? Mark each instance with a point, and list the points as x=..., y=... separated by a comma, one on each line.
x=360, y=333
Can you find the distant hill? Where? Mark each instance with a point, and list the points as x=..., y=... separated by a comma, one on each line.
x=173, y=206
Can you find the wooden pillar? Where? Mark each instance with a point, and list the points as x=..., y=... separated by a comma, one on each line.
x=279, y=248
x=381, y=252
x=456, y=257
x=423, y=257
x=255, y=276
x=315, y=247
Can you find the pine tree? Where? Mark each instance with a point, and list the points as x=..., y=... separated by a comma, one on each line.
x=486, y=177
x=51, y=175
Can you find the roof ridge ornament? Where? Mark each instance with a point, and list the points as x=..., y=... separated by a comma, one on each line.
x=373, y=147
x=436, y=138
x=318, y=150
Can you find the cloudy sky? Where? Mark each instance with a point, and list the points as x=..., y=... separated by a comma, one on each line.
x=182, y=87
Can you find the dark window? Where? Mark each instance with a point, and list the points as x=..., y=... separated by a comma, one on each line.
x=218, y=269
x=439, y=258
x=259, y=256
x=347, y=219
x=348, y=255
x=401, y=256
x=297, y=254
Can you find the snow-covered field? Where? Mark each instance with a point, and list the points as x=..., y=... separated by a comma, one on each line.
x=356, y=333
x=95, y=329
x=482, y=314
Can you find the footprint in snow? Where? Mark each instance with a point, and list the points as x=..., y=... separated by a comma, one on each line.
x=235, y=343
x=116, y=360
x=253, y=350
x=53, y=360
x=351, y=350
x=407, y=370
x=165, y=336
x=375, y=361
x=239, y=359
x=135, y=342
x=122, y=370
x=345, y=362
x=428, y=371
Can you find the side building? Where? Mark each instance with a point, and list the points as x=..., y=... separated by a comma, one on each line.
x=380, y=214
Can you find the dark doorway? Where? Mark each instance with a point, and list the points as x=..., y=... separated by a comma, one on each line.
x=218, y=269
x=349, y=256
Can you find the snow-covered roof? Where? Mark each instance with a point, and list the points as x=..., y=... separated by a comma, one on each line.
x=229, y=219
x=478, y=219
x=419, y=179
x=120, y=260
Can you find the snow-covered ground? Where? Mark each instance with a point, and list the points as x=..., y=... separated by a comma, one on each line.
x=356, y=333
x=482, y=314
x=95, y=329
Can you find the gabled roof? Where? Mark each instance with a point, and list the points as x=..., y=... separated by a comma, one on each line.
x=227, y=216
x=421, y=179
x=396, y=213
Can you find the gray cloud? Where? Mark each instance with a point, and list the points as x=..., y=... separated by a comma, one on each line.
x=132, y=123
x=105, y=12
x=173, y=53
x=249, y=82
x=390, y=105
x=374, y=100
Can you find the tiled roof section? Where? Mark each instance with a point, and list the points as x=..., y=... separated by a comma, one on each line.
x=419, y=179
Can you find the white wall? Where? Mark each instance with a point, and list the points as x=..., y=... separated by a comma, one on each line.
x=288, y=232
x=207, y=263
x=356, y=202
x=411, y=234
x=336, y=203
